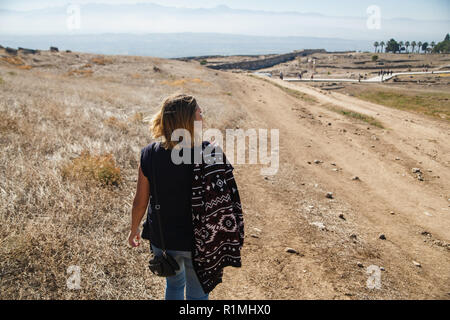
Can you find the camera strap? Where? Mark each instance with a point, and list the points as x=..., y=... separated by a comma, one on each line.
x=157, y=206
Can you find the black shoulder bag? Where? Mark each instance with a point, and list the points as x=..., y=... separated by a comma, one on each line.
x=162, y=265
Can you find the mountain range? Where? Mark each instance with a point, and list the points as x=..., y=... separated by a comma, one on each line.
x=165, y=31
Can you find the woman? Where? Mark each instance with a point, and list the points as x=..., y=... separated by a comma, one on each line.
x=174, y=191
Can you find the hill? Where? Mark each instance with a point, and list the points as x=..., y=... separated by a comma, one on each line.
x=72, y=126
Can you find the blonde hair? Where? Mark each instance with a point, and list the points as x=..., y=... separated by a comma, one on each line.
x=177, y=112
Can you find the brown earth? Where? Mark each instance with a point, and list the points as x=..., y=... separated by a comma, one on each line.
x=385, y=185
x=50, y=114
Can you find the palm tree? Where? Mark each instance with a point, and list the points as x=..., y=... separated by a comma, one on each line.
x=407, y=44
x=413, y=45
x=376, y=45
x=419, y=46
x=401, y=43
x=382, y=44
x=432, y=44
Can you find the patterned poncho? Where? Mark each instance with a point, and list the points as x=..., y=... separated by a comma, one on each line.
x=217, y=219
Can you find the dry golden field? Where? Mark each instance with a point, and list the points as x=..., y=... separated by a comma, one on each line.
x=71, y=133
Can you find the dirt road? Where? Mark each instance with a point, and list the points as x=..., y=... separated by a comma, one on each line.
x=338, y=239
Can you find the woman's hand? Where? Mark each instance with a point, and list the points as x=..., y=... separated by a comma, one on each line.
x=134, y=239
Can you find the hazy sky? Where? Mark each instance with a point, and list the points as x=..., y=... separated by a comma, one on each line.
x=345, y=19
x=414, y=9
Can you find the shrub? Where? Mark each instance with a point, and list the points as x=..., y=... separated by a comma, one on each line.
x=101, y=61
x=24, y=67
x=203, y=62
x=362, y=117
x=116, y=123
x=8, y=123
x=357, y=115
x=17, y=61
x=85, y=73
x=374, y=58
x=100, y=169
x=138, y=117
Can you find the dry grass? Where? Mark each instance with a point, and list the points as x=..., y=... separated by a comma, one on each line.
x=85, y=73
x=25, y=67
x=69, y=153
x=56, y=212
x=8, y=123
x=356, y=115
x=17, y=62
x=100, y=169
x=138, y=117
x=116, y=123
x=430, y=103
x=101, y=61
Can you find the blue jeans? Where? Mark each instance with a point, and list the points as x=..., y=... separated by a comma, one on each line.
x=185, y=277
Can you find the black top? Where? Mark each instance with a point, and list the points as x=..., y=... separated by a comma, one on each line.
x=174, y=186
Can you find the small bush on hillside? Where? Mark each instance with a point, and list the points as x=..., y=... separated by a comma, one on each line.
x=101, y=61
x=100, y=169
x=85, y=73
x=17, y=61
x=25, y=67
x=8, y=124
x=116, y=123
x=138, y=117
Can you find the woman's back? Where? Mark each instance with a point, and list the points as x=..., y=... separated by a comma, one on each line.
x=173, y=183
